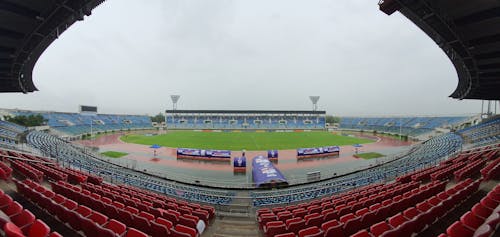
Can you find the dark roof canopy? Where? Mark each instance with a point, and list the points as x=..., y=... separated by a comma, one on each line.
x=244, y=112
x=27, y=28
x=468, y=31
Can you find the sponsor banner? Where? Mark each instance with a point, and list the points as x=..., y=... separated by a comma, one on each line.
x=318, y=150
x=203, y=153
x=264, y=173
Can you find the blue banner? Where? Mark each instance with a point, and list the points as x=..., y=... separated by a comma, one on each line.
x=318, y=150
x=265, y=173
x=203, y=153
x=272, y=154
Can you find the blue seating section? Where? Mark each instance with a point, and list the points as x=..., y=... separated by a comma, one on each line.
x=485, y=133
x=76, y=123
x=428, y=153
x=246, y=122
x=412, y=126
x=79, y=159
x=9, y=133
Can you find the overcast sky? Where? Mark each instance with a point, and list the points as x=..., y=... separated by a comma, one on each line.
x=129, y=56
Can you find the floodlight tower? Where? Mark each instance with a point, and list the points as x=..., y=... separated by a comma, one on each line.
x=174, y=99
x=314, y=99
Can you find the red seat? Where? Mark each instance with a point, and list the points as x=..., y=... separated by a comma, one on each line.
x=98, y=218
x=183, y=220
x=116, y=226
x=411, y=212
x=84, y=211
x=285, y=216
x=472, y=221
x=489, y=203
x=273, y=228
x=484, y=231
x=164, y=222
x=24, y=220
x=299, y=213
x=312, y=231
x=55, y=234
x=159, y=230
x=296, y=225
x=185, y=229
x=5, y=201
x=379, y=228
x=481, y=211
x=286, y=235
x=362, y=233
x=391, y=233
x=314, y=219
x=39, y=229
x=13, y=209
x=146, y=215
x=352, y=225
x=11, y=230
x=458, y=230
x=176, y=233
x=103, y=232
x=397, y=220
x=135, y=233
x=330, y=215
x=333, y=228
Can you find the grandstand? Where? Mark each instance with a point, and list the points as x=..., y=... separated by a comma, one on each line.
x=244, y=119
x=411, y=126
x=446, y=186
x=74, y=124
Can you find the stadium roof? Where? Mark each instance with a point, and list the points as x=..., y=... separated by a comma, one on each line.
x=468, y=32
x=244, y=112
x=27, y=28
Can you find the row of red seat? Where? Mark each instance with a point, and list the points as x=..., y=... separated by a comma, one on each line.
x=21, y=222
x=469, y=170
x=492, y=170
x=447, y=167
x=27, y=170
x=349, y=223
x=50, y=172
x=140, y=217
x=482, y=220
x=79, y=217
x=446, y=172
x=54, y=171
x=417, y=218
x=134, y=196
x=5, y=171
x=347, y=202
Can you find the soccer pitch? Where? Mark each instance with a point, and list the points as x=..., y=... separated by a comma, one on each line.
x=244, y=140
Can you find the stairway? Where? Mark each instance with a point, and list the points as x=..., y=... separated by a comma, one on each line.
x=233, y=226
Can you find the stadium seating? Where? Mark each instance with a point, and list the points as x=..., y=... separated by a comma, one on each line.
x=76, y=123
x=70, y=154
x=230, y=121
x=427, y=154
x=412, y=126
x=482, y=220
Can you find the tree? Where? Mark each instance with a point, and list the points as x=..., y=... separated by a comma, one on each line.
x=27, y=121
x=158, y=118
x=332, y=119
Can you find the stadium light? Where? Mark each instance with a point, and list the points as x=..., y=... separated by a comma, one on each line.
x=174, y=98
x=314, y=99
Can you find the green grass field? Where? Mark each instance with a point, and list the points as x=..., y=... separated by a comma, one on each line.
x=114, y=154
x=244, y=140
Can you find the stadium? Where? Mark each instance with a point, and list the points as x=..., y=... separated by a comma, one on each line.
x=251, y=172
